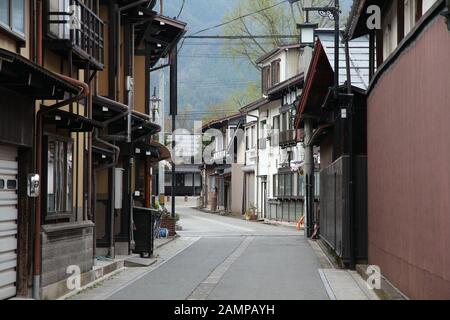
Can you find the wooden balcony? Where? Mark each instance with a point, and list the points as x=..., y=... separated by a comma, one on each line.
x=288, y=138
x=72, y=26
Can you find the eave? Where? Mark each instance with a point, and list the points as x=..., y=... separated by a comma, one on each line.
x=30, y=79
x=319, y=80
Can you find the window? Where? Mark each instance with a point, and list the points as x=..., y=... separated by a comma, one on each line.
x=276, y=123
x=197, y=180
x=265, y=78
x=275, y=186
x=275, y=72
x=179, y=180
x=18, y=16
x=281, y=189
x=59, y=176
x=301, y=186
x=4, y=12
x=12, y=15
x=188, y=180
x=2, y=184
x=247, y=139
x=253, y=134
x=276, y=131
x=288, y=185
x=59, y=30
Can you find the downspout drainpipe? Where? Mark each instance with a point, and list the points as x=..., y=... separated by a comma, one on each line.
x=84, y=92
x=351, y=211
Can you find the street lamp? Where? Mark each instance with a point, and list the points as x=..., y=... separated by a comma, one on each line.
x=307, y=33
x=155, y=103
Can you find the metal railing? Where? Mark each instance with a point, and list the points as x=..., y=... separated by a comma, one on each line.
x=220, y=155
x=72, y=20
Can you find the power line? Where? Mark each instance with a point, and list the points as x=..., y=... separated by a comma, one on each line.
x=181, y=9
x=238, y=18
x=275, y=36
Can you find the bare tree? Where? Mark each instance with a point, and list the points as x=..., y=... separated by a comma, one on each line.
x=278, y=20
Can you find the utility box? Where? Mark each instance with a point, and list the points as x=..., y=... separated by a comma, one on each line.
x=143, y=231
x=118, y=188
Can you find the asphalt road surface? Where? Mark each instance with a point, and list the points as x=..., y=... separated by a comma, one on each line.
x=232, y=259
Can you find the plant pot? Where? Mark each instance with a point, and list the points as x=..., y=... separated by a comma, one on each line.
x=169, y=224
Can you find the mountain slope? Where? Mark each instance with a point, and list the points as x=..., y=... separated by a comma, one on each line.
x=206, y=75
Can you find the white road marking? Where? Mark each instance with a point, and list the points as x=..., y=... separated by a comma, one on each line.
x=205, y=288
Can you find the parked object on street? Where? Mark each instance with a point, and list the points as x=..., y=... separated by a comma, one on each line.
x=143, y=233
x=163, y=233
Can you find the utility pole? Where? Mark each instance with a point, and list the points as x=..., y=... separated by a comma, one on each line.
x=162, y=118
x=173, y=113
x=332, y=13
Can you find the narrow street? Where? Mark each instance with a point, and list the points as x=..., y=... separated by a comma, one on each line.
x=226, y=258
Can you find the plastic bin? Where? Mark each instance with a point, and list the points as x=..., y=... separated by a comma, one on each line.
x=144, y=230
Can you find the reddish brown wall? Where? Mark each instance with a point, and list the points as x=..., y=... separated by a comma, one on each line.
x=409, y=168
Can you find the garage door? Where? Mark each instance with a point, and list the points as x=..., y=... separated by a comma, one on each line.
x=8, y=221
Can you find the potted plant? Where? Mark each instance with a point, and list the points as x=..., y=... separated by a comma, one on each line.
x=250, y=214
x=168, y=222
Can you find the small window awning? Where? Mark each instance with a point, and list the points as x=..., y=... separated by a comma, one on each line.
x=158, y=35
x=114, y=114
x=156, y=151
x=30, y=79
x=105, y=109
x=73, y=122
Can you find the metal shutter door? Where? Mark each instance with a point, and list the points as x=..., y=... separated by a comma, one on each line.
x=8, y=221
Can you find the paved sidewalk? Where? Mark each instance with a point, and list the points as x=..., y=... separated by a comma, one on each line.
x=109, y=286
x=346, y=285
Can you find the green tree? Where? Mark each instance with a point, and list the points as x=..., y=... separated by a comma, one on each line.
x=278, y=20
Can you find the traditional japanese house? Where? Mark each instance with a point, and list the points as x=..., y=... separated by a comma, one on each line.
x=124, y=149
x=23, y=81
x=330, y=134
x=273, y=189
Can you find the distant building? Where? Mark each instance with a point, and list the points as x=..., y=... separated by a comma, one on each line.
x=188, y=180
x=271, y=188
x=222, y=188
